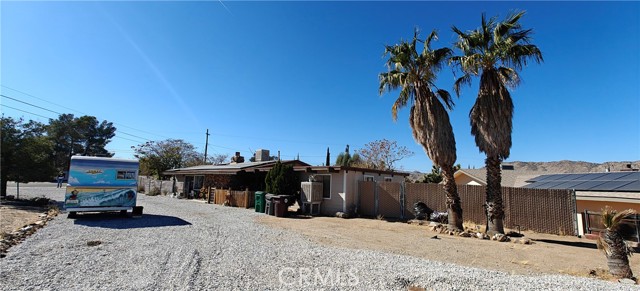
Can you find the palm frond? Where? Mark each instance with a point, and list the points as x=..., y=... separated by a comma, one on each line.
x=509, y=76
x=464, y=80
x=446, y=98
x=427, y=42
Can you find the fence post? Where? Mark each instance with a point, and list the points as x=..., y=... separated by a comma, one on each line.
x=402, y=200
x=248, y=199
x=375, y=198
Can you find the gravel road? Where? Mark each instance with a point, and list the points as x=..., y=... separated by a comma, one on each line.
x=190, y=245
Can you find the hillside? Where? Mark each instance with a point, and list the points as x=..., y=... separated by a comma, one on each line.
x=557, y=167
x=572, y=166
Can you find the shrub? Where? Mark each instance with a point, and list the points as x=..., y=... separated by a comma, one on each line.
x=281, y=179
x=154, y=191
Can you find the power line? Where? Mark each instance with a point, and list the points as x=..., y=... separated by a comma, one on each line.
x=137, y=136
x=36, y=106
x=3, y=105
x=119, y=124
x=41, y=99
x=39, y=107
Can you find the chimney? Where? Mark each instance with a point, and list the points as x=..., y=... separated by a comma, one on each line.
x=262, y=155
x=237, y=158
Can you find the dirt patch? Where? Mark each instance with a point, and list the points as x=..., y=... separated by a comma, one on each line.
x=21, y=218
x=549, y=254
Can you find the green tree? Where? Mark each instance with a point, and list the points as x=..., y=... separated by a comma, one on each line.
x=157, y=157
x=26, y=153
x=344, y=159
x=79, y=135
x=436, y=174
x=281, y=179
x=414, y=74
x=612, y=243
x=496, y=51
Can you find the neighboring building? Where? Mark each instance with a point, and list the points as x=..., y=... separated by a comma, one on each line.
x=594, y=191
x=510, y=177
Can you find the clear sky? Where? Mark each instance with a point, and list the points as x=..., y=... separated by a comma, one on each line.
x=299, y=77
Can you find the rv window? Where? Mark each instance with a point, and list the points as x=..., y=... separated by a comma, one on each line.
x=126, y=175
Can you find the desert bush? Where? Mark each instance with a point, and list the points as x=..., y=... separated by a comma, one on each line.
x=154, y=191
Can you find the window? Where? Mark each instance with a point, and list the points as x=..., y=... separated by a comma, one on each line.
x=388, y=179
x=126, y=175
x=326, y=185
x=368, y=178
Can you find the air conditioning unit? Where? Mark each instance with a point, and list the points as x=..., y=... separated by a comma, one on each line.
x=311, y=192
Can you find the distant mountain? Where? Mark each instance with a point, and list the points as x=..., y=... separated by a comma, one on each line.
x=573, y=166
x=557, y=167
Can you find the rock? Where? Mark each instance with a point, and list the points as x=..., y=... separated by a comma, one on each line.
x=500, y=237
x=464, y=234
x=92, y=243
x=433, y=223
x=627, y=281
x=524, y=241
x=26, y=228
x=39, y=222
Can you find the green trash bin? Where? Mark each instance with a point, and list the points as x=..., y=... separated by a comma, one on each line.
x=259, y=204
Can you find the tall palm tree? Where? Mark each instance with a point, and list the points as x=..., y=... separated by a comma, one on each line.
x=496, y=51
x=414, y=74
x=612, y=242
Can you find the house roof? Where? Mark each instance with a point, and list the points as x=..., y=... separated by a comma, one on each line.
x=607, y=182
x=510, y=178
x=315, y=169
x=231, y=168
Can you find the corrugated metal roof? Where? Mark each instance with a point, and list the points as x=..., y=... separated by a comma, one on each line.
x=613, y=182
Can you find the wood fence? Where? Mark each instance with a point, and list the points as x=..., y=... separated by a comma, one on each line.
x=540, y=210
x=242, y=199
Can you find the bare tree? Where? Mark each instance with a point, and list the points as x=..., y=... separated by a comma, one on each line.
x=383, y=154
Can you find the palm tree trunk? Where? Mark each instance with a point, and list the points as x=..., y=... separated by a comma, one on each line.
x=493, y=204
x=617, y=259
x=454, y=207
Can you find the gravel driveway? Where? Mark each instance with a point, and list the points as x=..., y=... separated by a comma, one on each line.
x=190, y=245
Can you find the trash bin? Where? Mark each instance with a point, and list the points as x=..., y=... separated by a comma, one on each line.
x=280, y=206
x=259, y=203
x=269, y=204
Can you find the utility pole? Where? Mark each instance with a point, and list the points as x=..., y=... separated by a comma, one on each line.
x=206, y=146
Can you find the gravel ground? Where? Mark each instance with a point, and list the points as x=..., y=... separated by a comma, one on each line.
x=190, y=245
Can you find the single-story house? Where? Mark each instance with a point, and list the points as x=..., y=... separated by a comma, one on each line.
x=339, y=184
x=237, y=176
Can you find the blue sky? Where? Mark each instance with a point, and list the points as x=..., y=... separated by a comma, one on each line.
x=299, y=77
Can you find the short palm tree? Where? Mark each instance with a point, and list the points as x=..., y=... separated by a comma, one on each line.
x=414, y=74
x=495, y=51
x=612, y=243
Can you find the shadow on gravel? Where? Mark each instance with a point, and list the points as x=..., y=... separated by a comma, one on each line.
x=115, y=221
